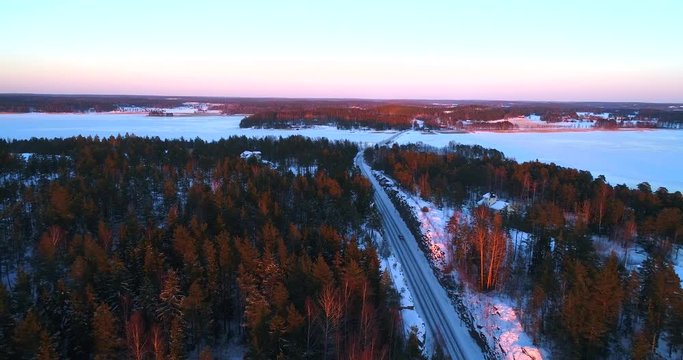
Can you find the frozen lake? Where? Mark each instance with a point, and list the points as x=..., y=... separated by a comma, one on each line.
x=629, y=157
x=25, y=126
x=624, y=157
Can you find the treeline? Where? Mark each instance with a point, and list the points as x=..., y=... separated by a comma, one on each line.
x=129, y=247
x=491, y=125
x=663, y=116
x=23, y=103
x=557, y=115
x=665, y=119
x=390, y=116
x=480, y=115
x=566, y=288
x=342, y=117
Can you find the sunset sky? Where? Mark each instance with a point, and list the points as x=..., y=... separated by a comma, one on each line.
x=516, y=50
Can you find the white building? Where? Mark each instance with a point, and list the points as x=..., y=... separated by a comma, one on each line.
x=492, y=201
x=249, y=154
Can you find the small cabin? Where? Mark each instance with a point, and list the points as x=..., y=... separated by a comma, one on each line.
x=491, y=200
x=159, y=112
x=251, y=154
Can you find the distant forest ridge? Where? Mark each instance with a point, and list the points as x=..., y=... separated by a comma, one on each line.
x=463, y=116
x=354, y=113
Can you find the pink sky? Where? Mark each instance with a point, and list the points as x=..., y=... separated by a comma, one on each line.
x=536, y=50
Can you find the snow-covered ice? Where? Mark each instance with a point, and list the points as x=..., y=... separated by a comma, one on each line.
x=209, y=127
x=624, y=157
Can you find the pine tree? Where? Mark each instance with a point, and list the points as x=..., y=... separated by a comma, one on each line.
x=577, y=317
x=26, y=343
x=661, y=286
x=171, y=299
x=674, y=323
x=196, y=312
x=414, y=346
x=295, y=320
x=322, y=273
x=640, y=346
x=607, y=297
x=22, y=293
x=176, y=346
x=106, y=334
x=46, y=350
x=6, y=323
x=206, y=354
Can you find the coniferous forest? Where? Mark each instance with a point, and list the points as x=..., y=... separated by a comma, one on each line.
x=578, y=302
x=142, y=248
x=128, y=247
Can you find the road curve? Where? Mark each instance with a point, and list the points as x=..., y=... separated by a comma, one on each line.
x=442, y=323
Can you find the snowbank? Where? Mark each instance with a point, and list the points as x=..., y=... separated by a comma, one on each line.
x=501, y=326
x=411, y=319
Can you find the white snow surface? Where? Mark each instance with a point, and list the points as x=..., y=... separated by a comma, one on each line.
x=209, y=127
x=408, y=313
x=678, y=262
x=501, y=325
x=624, y=157
x=603, y=115
x=632, y=259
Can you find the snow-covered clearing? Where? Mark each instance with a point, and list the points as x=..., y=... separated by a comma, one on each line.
x=494, y=315
x=501, y=325
x=636, y=255
x=632, y=258
x=534, y=122
x=303, y=170
x=624, y=156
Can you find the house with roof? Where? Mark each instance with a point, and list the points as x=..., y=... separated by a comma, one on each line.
x=492, y=201
x=251, y=154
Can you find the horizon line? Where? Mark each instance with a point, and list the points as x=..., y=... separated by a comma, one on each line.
x=323, y=98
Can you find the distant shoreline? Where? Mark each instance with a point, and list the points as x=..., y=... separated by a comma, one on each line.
x=145, y=113
x=540, y=129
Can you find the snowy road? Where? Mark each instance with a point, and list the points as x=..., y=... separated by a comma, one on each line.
x=431, y=301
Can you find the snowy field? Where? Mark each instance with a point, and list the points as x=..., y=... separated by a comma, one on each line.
x=624, y=157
